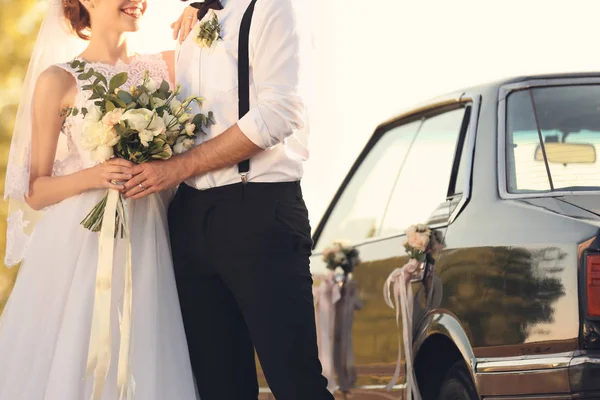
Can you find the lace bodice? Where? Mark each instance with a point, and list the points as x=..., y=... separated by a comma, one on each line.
x=70, y=156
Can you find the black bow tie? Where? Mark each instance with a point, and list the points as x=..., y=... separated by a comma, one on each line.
x=206, y=5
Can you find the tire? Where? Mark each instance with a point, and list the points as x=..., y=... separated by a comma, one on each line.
x=457, y=384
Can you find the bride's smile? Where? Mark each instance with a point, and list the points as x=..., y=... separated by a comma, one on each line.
x=134, y=10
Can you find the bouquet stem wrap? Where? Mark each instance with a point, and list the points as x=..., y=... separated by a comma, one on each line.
x=99, y=353
x=398, y=285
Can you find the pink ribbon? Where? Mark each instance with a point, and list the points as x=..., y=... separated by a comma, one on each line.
x=398, y=285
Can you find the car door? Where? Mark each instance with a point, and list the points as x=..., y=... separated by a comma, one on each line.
x=403, y=177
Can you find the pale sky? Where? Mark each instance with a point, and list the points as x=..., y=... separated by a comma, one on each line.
x=375, y=59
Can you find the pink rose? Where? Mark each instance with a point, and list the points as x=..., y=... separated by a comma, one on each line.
x=417, y=237
x=113, y=117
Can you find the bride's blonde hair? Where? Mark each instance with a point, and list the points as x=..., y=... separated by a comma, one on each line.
x=78, y=17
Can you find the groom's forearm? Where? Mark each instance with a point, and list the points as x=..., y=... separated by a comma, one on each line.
x=227, y=149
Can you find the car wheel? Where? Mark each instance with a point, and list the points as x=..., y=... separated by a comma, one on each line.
x=457, y=384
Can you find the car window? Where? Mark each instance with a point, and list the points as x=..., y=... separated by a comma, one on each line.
x=358, y=212
x=422, y=184
x=567, y=157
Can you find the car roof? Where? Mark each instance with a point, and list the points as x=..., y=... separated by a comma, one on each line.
x=492, y=86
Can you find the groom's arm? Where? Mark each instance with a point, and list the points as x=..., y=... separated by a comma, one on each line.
x=278, y=112
x=227, y=149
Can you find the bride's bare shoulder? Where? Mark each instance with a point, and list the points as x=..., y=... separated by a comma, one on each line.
x=55, y=77
x=55, y=84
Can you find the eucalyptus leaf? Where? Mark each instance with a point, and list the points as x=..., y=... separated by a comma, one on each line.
x=125, y=96
x=164, y=87
x=101, y=78
x=117, y=81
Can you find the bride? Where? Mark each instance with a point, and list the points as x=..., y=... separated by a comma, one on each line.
x=48, y=347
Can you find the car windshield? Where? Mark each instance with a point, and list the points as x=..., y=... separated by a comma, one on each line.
x=553, y=137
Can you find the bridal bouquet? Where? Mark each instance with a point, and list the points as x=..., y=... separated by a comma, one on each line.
x=141, y=124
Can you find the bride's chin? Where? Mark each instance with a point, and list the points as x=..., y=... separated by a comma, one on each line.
x=132, y=27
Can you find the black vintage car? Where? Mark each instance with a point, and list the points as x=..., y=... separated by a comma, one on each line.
x=509, y=174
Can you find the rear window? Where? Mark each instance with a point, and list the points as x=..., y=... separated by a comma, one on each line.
x=553, y=138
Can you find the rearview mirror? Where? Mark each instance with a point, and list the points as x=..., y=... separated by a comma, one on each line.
x=567, y=153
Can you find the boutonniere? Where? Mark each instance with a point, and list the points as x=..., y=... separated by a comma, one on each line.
x=206, y=33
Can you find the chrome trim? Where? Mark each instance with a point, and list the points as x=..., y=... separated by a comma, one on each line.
x=520, y=364
x=584, y=360
x=534, y=397
x=503, y=93
x=442, y=322
x=366, y=387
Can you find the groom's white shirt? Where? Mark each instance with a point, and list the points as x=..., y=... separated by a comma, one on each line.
x=277, y=118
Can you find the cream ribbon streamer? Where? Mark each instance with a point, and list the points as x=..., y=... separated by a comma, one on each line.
x=99, y=353
x=398, y=284
x=326, y=295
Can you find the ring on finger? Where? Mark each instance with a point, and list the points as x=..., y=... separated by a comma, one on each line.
x=142, y=186
x=190, y=17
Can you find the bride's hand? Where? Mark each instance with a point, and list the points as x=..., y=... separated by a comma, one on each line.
x=106, y=174
x=183, y=26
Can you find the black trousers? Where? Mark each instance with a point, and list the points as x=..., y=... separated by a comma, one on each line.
x=241, y=256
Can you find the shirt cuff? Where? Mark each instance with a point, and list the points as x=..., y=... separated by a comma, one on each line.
x=254, y=128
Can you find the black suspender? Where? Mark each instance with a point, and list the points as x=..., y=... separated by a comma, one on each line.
x=244, y=77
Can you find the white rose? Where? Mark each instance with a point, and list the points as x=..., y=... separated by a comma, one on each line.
x=143, y=119
x=146, y=137
x=189, y=128
x=188, y=143
x=175, y=106
x=138, y=119
x=170, y=121
x=151, y=85
x=184, y=118
x=339, y=271
x=93, y=114
x=98, y=134
x=183, y=144
x=102, y=153
x=157, y=126
x=178, y=148
x=113, y=117
x=158, y=102
x=144, y=99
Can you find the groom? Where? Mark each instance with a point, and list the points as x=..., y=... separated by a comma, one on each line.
x=240, y=233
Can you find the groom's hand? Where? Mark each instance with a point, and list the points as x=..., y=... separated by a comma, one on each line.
x=154, y=176
x=184, y=25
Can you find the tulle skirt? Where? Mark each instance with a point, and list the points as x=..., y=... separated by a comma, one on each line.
x=45, y=327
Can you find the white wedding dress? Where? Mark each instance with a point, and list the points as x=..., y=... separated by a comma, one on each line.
x=45, y=327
